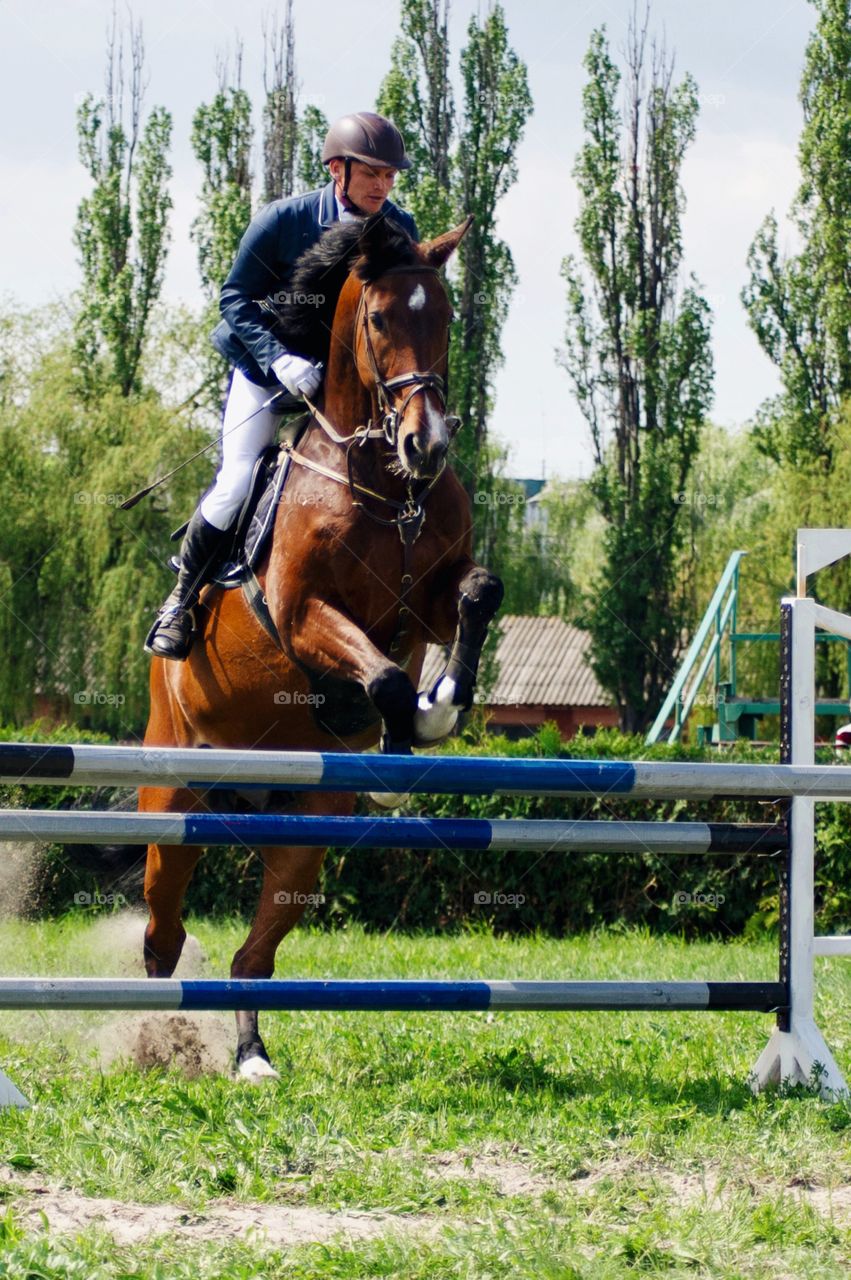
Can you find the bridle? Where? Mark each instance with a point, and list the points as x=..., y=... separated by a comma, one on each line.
x=391, y=416
x=410, y=514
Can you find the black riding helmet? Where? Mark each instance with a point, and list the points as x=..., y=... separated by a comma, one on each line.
x=368, y=137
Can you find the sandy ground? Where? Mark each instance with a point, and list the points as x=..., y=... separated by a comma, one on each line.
x=286, y=1225
x=68, y=1213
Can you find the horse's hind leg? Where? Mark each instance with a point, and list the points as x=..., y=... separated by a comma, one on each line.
x=167, y=874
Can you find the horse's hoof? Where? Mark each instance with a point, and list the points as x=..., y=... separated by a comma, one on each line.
x=388, y=799
x=257, y=1070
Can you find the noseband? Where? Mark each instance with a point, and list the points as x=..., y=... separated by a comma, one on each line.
x=386, y=388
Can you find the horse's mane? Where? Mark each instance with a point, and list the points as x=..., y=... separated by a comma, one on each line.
x=304, y=310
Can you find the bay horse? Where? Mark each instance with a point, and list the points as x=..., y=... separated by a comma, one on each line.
x=370, y=560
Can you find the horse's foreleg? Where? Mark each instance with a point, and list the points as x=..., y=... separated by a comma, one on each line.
x=289, y=879
x=326, y=640
x=168, y=871
x=476, y=597
x=167, y=874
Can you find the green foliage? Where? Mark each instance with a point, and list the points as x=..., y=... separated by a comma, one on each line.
x=497, y=105
x=799, y=306
x=639, y=359
x=82, y=578
x=416, y=94
x=534, y=557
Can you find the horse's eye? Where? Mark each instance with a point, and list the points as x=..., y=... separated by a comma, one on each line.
x=377, y=320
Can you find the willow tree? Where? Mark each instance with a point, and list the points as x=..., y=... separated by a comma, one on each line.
x=638, y=355
x=121, y=229
x=799, y=305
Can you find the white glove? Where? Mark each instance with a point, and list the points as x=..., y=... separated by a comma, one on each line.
x=300, y=377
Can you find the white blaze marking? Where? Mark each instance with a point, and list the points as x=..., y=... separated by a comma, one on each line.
x=417, y=299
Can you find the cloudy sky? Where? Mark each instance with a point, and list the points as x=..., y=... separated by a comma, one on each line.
x=746, y=56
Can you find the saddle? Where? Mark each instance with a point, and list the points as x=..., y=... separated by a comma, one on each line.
x=255, y=523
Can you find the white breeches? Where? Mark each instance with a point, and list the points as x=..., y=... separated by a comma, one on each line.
x=242, y=444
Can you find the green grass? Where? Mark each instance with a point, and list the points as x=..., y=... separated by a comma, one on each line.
x=620, y=1119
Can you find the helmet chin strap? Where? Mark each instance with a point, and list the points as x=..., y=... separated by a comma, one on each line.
x=345, y=200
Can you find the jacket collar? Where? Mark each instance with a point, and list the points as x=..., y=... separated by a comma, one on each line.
x=327, y=206
x=328, y=212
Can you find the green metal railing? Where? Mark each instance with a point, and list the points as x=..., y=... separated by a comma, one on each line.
x=736, y=717
x=720, y=612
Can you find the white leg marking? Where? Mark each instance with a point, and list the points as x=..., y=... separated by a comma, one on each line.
x=257, y=1070
x=437, y=715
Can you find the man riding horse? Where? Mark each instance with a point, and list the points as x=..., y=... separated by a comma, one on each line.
x=364, y=152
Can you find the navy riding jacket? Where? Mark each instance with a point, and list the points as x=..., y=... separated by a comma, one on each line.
x=268, y=251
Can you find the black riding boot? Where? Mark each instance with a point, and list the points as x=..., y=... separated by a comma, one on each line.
x=203, y=545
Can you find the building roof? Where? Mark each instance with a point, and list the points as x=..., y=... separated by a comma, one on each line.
x=542, y=662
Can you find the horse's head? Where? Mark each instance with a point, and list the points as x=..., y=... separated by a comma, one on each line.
x=401, y=341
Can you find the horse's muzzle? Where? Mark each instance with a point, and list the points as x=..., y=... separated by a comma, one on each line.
x=425, y=457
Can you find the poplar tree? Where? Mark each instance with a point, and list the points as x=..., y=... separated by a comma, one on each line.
x=416, y=95
x=221, y=140
x=799, y=305
x=638, y=355
x=280, y=113
x=497, y=104
x=458, y=170
x=312, y=128
x=121, y=229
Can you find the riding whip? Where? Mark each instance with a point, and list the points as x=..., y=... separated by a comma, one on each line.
x=137, y=497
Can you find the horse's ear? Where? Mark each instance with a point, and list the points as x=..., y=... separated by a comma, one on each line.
x=437, y=251
x=380, y=244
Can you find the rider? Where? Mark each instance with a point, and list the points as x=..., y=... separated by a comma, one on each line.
x=363, y=152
